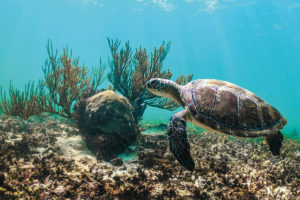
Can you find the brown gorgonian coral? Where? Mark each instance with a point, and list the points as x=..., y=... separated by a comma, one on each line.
x=131, y=70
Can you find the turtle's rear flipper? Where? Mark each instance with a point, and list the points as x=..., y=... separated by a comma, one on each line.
x=178, y=142
x=275, y=143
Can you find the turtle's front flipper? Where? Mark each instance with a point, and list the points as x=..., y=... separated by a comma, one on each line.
x=275, y=143
x=178, y=142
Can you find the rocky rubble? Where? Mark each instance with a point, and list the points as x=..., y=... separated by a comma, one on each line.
x=46, y=158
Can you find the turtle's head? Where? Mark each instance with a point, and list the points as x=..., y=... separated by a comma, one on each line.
x=158, y=86
x=164, y=88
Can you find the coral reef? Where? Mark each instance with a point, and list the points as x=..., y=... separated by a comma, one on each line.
x=66, y=80
x=46, y=158
x=31, y=101
x=107, y=123
x=130, y=71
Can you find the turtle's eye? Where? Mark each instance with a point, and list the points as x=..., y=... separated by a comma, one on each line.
x=152, y=84
x=148, y=84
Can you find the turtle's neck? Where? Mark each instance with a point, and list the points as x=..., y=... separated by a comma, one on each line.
x=174, y=91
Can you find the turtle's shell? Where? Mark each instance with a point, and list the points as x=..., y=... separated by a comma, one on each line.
x=228, y=108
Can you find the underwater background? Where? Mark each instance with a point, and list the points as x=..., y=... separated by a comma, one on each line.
x=254, y=44
x=89, y=128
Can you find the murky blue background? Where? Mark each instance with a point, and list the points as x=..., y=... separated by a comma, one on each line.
x=255, y=44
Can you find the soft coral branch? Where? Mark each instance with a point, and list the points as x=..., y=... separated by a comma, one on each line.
x=66, y=80
x=31, y=101
x=130, y=71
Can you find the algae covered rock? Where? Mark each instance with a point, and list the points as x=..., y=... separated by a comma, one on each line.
x=107, y=123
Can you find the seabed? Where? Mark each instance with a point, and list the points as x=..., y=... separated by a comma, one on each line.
x=46, y=158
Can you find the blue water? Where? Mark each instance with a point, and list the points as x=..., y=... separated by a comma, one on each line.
x=255, y=44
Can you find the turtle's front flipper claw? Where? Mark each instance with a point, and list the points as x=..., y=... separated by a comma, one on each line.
x=178, y=142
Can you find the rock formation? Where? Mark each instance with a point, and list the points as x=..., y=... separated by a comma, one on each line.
x=107, y=123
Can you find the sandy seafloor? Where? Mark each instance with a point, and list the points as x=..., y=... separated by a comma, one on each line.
x=46, y=158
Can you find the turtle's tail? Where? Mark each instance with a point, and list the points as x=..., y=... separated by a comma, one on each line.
x=275, y=143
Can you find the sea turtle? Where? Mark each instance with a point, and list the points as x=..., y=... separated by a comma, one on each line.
x=218, y=106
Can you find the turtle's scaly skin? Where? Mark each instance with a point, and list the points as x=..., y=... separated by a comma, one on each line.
x=228, y=108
